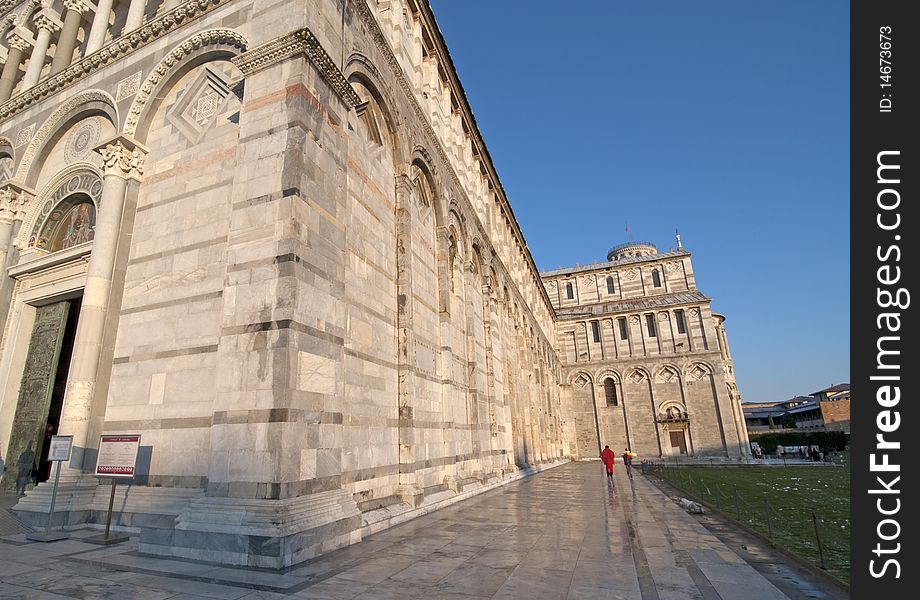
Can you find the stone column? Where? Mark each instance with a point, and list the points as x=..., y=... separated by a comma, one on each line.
x=7, y=216
x=100, y=26
x=135, y=14
x=45, y=24
x=409, y=489
x=13, y=200
x=18, y=46
x=67, y=41
x=123, y=159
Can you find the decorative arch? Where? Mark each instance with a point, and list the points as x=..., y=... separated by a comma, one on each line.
x=638, y=375
x=74, y=185
x=91, y=102
x=359, y=68
x=668, y=374
x=698, y=370
x=7, y=22
x=672, y=410
x=606, y=372
x=423, y=165
x=478, y=265
x=7, y=159
x=492, y=281
x=579, y=379
x=6, y=147
x=205, y=46
x=456, y=224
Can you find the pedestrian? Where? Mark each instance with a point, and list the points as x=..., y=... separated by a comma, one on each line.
x=608, y=457
x=627, y=461
x=24, y=465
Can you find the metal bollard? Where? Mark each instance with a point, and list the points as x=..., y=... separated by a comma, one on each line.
x=766, y=504
x=814, y=519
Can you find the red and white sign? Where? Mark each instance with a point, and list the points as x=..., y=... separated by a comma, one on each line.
x=117, y=455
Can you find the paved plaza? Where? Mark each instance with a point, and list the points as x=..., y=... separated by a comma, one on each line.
x=565, y=533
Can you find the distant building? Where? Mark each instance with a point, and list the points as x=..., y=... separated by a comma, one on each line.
x=824, y=410
x=835, y=407
x=645, y=361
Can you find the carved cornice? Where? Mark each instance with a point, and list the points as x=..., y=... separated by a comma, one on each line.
x=299, y=42
x=212, y=37
x=78, y=5
x=13, y=201
x=47, y=20
x=115, y=50
x=17, y=41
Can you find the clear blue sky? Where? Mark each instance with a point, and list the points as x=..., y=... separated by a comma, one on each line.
x=728, y=120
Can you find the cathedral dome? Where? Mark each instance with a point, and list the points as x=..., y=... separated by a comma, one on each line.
x=630, y=249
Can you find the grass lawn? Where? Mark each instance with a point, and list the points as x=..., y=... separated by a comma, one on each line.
x=793, y=495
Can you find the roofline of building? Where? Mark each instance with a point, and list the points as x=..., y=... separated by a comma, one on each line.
x=479, y=144
x=669, y=300
x=831, y=388
x=600, y=266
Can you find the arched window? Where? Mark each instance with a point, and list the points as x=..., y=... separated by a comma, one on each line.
x=610, y=287
x=610, y=392
x=370, y=115
x=656, y=278
x=569, y=291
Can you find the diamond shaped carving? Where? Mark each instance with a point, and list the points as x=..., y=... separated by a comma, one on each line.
x=197, y=107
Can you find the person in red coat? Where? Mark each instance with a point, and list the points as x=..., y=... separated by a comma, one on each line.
x=608, y=457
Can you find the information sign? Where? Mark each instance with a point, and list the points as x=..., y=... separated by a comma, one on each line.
x=117, y=455
x=60, y=448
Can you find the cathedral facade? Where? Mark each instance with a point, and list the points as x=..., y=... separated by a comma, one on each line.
x=268, y=237
x=646, y=364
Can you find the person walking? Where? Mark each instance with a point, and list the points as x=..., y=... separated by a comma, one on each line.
x=24, y=465
x=627, y=461
x=608, y=457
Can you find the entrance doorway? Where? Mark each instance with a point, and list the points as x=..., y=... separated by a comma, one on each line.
x=41, y=391
x=678, y=442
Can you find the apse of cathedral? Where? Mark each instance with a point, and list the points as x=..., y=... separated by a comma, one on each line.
x=267, y=237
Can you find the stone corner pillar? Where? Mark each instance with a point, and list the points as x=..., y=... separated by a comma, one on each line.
x=123, y=159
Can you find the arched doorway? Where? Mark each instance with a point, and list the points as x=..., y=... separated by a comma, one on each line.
x=51, y=272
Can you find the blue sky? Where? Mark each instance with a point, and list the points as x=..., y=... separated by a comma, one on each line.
x=728, y=120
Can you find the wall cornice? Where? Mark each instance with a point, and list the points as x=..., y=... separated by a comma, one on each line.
x=116, y=49
x=300, y=42
x=370, y=20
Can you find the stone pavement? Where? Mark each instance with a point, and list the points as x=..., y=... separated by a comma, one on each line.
x=565, y=533
x=9, y=524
